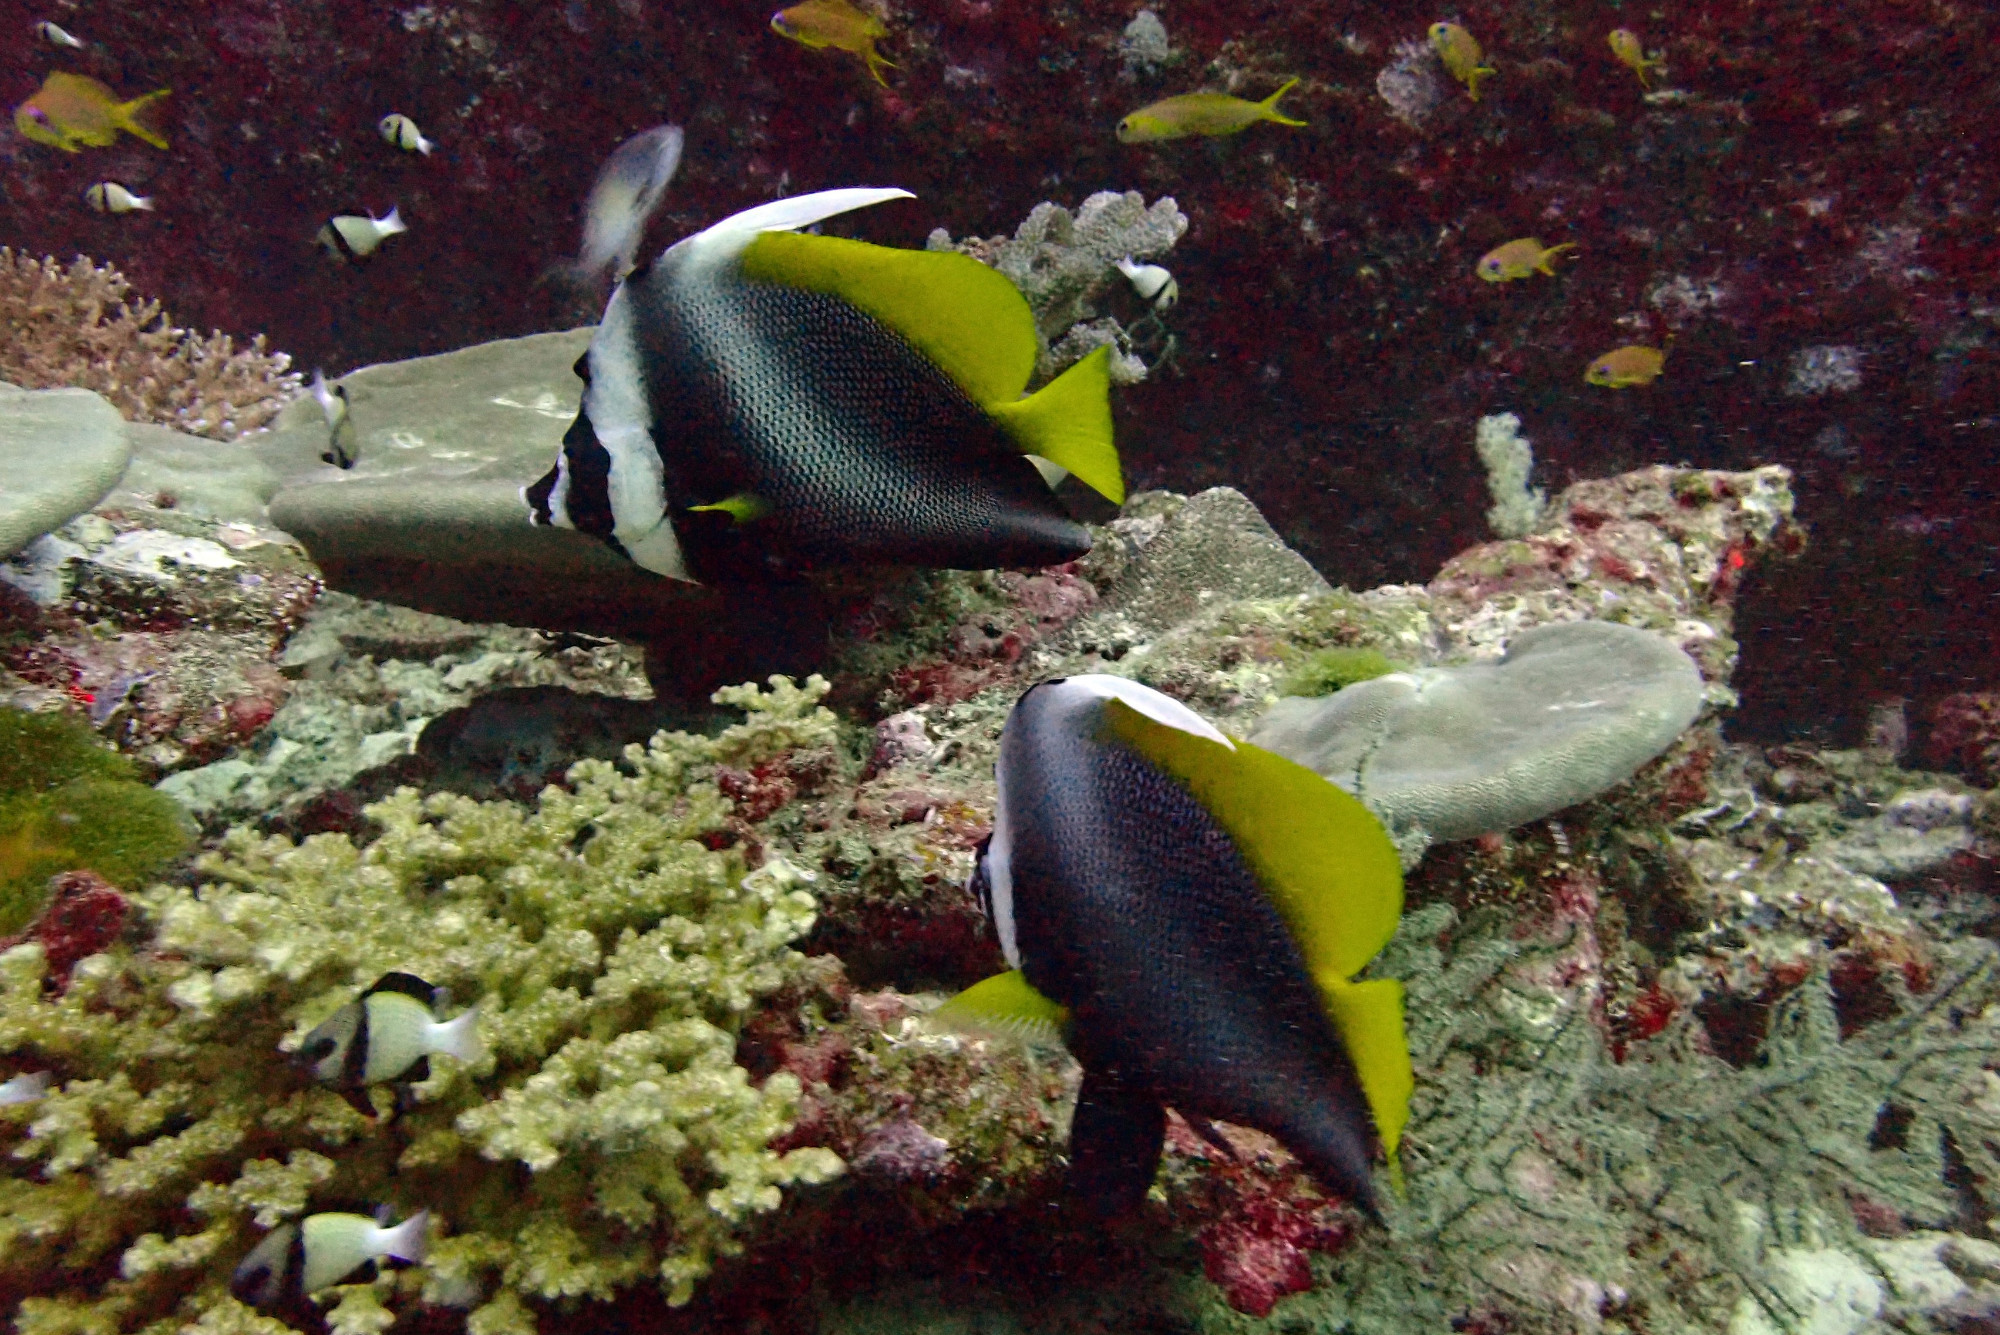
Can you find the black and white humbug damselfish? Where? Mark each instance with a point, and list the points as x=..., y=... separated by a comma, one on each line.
x=293, y=1260
x=763, y=402
x=388, y=1033
x=1188, y=911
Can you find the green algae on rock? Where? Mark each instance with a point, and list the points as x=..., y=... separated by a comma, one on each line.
x=609, y=1137
x=69, y=804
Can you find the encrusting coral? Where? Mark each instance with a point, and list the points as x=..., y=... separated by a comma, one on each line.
x=613, y=946
x=77, y=326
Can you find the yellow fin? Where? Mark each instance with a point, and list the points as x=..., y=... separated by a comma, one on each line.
x=968, y=319
x=1007, y=1003
x=1068, y=422
x=1369, y=1017
x=137, y=115
x=742, y=507
x=1270, y=105
x=1325, y=861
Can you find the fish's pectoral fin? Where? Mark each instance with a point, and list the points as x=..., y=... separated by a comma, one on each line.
x=1068, y=422
x=969, y=320
x=1115, y=1139
x=1369, y=1018
x=743, y=507
x=1005, y=1003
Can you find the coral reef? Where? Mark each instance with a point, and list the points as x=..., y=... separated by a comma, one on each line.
x=1065, y=264
x=1509, y=460
x=63, y=330
x=614, y=944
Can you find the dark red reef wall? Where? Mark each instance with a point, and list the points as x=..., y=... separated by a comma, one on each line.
x=1825, y=179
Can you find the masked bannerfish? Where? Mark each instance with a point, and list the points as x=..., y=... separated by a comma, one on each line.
x=760, y=402
x=389, y=1033
x=1188, y=911
x=323, y=1249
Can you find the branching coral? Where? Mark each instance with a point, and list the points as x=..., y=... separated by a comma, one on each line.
x=76, y=326
x=608, y=1136
x=1553, y=1189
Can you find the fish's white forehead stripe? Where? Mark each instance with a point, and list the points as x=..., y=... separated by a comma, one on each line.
x=1000, y=871
x=615, y=401
x=1155, y=706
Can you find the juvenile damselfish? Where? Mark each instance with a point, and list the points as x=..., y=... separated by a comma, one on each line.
x=1520, y=259
x=759, y=403
x=1189, y=912
x=1463, y=60
x=838, y=24
x=73, y=112
x=1630, y=51
x=293, y=1260
x=389, y=1033
x=1622, y=368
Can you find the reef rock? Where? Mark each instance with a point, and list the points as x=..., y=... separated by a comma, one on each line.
x=61, y=450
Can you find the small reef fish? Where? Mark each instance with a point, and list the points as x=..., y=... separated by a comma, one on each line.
x=760, y=402
x=835, y=23
x=388, y=1034
x=1459, y=50
x=1520, y=259
x=111, y=197
x=1201, y=113
x=355, y=236
x=73, y=111
x=1622, y=368
x=1152, y=283
x=402, y=132
x=27, y=1087
x=323, y=1249
x=628, y=189
x=341, y=450
x=1630, y=51
x=55, y=36
x=1127, y=832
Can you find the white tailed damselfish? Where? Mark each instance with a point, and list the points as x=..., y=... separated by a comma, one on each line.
x=1188, y=911
x=389, y=1033
x=759, y=403
x=322, y=1249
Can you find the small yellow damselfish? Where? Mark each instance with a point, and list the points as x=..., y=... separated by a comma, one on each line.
x=835, y=23
x=1459, y=50
x=1625, y=45
x=1622, y=368
x=1201, y=113
x=1520, y=259
x=74, y=111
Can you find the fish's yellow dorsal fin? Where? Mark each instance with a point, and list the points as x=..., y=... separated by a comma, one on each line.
x=1325, y=861
x=1369, y=1017
x=968, y=319
x=1004, y=1002
x=1068, y=422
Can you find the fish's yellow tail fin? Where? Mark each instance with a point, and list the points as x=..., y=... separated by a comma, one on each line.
x=1270, y=105
x=1068, y=422
x=877, y=63
x=140, y=116
x=1473, y=77
x=1550, y=254
x=1369, y=1017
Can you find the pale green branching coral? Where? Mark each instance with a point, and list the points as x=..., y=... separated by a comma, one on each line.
x=608, y=1136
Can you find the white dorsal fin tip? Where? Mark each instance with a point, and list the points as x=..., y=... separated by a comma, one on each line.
x=1155, y=706
x=788, y=215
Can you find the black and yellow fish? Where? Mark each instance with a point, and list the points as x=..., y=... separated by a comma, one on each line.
x=762, y=402
x=1189, y=911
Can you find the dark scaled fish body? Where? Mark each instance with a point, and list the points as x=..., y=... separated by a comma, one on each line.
x=1122, y=897
x=757, y=406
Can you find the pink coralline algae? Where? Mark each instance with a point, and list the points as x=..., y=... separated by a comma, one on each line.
x=84, y=916
x=1965, y=735
x=1255, y=1211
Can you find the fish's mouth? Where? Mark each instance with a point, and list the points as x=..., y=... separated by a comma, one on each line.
x=781, y=25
